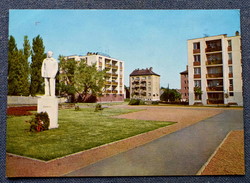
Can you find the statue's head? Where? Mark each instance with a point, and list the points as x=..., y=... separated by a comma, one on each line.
x=49, y=54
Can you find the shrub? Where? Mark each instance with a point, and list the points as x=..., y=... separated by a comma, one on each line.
x=134, y=102
x=141, y=102
x=77, y=108
x=155, y=102
x=40, y=122
x=98, y=107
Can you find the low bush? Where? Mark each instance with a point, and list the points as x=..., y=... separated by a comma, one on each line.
x=40, y=122
x=134, y=102
x=155, y=102
x=98, y=107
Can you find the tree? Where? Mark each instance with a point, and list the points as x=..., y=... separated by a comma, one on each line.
x=81, y=79
x=37, y=57
x=12, y=66
x=25, y=76
x=66, y=77
x=88, y=80
x=170, y=95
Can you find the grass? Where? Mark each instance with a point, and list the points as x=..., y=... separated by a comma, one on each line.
x=78, y=131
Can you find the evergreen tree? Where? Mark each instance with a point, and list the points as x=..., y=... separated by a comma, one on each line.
x=37, y=57
x=12, y=67
x=24, y=57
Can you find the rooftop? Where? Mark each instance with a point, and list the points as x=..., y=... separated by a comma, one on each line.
x=140, y=72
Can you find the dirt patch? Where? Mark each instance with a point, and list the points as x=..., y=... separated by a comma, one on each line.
x=229, y=158
x=17, y=166
x=183, y=116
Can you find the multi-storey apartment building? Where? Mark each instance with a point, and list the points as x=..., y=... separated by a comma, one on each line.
x=184, y=85
x=114, y=84
x=215, y=70
x=145, y=84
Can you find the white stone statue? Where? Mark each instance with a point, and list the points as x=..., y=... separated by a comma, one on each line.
x=49, y=70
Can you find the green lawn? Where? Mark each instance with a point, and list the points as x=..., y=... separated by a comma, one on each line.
x=78, y=131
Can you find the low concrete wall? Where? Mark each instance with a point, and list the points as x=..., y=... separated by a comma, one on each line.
x=23, y=100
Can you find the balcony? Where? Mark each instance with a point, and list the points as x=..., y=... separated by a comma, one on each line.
x=229, y=48
x=231, y=88
x=215, y=88
x=213, y=49
x=215, y=75
x=107, y=82
x=196, y=51
x=143, y=86
x=114, y=67
x=215, y=101
x=108, y=91
x=230, y=75
x=114, y=91
x=230, y=62
x=114, y=74
x=197, y=76
x=196, y=63
x=213, y=62
x=108, y=65
x=114, y=83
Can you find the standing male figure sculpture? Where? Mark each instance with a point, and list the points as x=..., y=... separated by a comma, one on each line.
x=49, y=102
x=49, y=71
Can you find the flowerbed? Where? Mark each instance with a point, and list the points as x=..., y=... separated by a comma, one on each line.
x=21, y=111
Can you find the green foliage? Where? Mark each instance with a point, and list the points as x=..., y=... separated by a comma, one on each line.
x=197, y=90
x=98, y=107
x=77, y=107
x=170, y=95
x=88, y=80
x=40, y=122
x=37, y=57
x=155, y=102
x=18, y=68
x=136, y=102
x=81, y=78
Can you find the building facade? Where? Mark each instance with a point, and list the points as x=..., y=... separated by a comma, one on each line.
x=215, y=70
x=114, y=78
x=144, y=84
x=184, y=86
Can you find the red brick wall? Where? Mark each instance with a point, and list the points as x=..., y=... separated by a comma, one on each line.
x=111, y=98
x=184, y=86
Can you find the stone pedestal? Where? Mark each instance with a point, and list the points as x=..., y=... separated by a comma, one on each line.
x=49, y=104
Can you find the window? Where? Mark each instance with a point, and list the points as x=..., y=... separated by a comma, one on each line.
x=229, y=42
x=197, y=83
x=229, y=56
x=230, y=69
x=149, y=77
x=197, y=58
x=231, y=94
x=197, y=96
x=230, y=82
x=197, y=70
x=196, y=46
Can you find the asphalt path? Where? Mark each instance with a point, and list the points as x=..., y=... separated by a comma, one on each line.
x=181, y=153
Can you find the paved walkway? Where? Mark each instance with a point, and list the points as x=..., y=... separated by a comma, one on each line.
x=181, y=153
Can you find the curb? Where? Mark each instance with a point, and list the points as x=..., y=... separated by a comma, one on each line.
x=214, y=153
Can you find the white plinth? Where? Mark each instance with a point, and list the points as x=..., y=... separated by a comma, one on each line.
x=50, y=105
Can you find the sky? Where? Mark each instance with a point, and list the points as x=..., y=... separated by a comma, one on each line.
x=140, y=38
